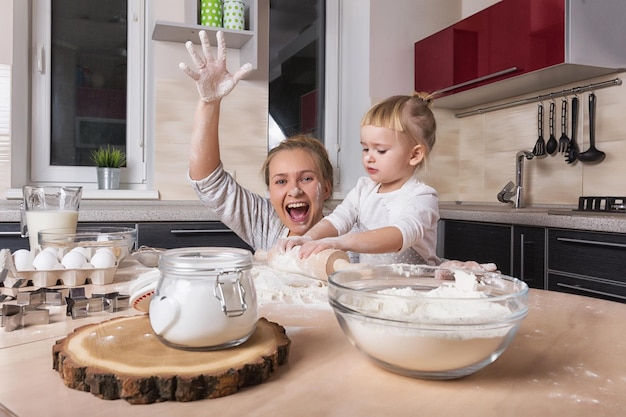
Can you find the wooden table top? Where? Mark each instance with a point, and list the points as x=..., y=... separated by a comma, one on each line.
x=567, y=359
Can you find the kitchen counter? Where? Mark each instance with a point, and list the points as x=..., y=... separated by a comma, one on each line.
x=567, y=359
x=542, y=216
x=143, y=211
x=125, y=211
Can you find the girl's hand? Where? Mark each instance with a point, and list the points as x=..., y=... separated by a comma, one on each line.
x=212, y=78
x=316, y=246
x=471, y=265
x=286, y=244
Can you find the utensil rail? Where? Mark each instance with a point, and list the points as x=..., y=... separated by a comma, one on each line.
x=552, y=95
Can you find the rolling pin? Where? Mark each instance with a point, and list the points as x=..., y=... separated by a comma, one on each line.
x=319, y=265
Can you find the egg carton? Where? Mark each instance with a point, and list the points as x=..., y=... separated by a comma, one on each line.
x=12, y=279
x=66, y=277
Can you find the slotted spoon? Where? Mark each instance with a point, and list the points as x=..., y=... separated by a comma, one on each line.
x=552, y=143
x=540, y=145
x=563, y=140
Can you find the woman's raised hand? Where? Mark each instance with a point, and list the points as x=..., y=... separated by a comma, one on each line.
x=212, y=78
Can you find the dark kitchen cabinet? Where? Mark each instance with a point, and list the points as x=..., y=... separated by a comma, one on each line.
x=553, y=42
x=11, y=238
x=167, y=235
x=518, y=251
x=529, y=255
x=170, y=235
x=587, y=263
x=480, y=242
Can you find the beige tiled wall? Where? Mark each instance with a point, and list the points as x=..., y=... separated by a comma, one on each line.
x=243, y=135
x=475, y=156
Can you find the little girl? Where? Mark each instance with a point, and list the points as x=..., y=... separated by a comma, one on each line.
x=390, y=216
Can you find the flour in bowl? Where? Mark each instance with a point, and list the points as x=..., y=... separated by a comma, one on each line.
x=433, y=331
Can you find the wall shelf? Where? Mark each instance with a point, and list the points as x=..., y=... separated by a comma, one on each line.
x=180, y=32
x=244, y=40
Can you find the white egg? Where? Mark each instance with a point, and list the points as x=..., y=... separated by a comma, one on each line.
x=44, y=261
x=110, y=250
x=73, y=260
x=23, y=259
x=53, y=251
x=103, y=258
x=87, y=252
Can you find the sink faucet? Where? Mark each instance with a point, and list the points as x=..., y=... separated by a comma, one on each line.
x=512, y=193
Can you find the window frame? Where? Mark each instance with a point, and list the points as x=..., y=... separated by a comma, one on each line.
x=30, y=157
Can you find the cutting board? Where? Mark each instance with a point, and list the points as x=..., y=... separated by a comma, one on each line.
x=123, y=358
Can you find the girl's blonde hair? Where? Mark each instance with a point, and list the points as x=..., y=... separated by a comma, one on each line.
x=308, y=144
x=409, y=114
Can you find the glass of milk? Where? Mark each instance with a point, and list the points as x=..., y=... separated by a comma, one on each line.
x=48, y=207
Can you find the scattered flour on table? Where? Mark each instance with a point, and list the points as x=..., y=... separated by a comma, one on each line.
x=273, y=286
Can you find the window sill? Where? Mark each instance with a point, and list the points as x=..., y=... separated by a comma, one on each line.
x=94, y=194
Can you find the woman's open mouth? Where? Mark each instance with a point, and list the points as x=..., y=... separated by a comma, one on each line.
x=297, y=212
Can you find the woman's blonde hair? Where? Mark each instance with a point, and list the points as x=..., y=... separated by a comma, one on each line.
x=409, y=114
x=308, y=144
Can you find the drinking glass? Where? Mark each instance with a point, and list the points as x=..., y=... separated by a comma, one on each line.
x=48, y=207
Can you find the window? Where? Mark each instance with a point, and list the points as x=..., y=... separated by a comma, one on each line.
x=87, y=88
x=296, y=84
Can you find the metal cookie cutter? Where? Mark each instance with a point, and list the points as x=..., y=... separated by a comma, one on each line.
x=15, y=316
x=78, y=305
x=47, y=296
x=28, y=310
x=113, y=301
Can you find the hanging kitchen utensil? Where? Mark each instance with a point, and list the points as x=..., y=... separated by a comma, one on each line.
x=563, y=140
x=552, y=144
x=572, y=150
x=592, y=155
x=540, y=145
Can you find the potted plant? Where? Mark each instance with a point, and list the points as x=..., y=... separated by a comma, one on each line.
x=109, y=162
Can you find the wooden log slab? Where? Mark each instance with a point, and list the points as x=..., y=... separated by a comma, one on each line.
x=123, y=358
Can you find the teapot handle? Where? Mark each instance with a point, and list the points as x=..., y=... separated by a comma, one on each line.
x=164, y=313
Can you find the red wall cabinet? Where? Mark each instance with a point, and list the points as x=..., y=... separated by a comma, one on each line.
x=518, y=40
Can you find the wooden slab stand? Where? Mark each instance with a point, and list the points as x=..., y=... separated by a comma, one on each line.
x=123, y=358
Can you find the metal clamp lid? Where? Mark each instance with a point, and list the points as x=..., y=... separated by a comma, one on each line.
x=236, y=297
x=205, y=259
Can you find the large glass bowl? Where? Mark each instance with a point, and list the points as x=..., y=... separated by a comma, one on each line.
x=119, y=240
x=413, y=320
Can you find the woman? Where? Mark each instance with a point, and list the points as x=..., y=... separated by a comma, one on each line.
x=298, y=172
